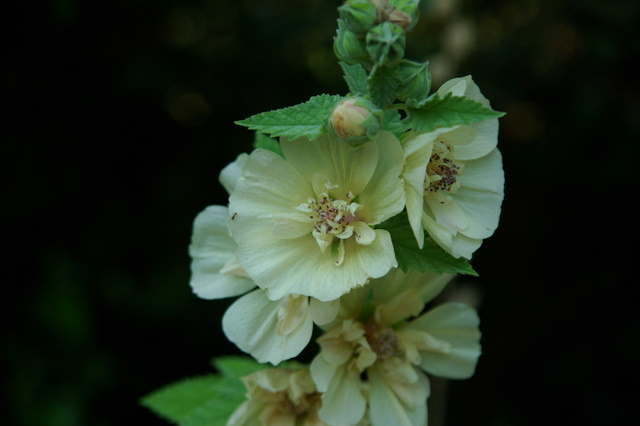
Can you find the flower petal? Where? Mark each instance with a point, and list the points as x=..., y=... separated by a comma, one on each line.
x=283, y=266
x=455, y=324
x=346, y=168
x=232, y=172
x=212, y=250
x=271, y=331
x=269, y=187
x=387, y=408
x=384, y=195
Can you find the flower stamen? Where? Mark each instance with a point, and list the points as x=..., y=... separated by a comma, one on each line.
x=442, y=170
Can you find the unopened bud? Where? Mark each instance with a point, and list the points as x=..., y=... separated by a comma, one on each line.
x=348, y=47
x=416, y=80
x=400, y=19
x=355, y=119
x=385, y=43
x=403, y=13
x=359, y=16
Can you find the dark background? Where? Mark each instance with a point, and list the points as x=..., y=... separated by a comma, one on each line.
x=118, y=117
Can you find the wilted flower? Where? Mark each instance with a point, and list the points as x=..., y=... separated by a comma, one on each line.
x=279, y=397
x=304, y=224
x=375, y=334
x=454, y=179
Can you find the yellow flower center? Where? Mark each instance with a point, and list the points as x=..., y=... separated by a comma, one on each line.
x=442, y=170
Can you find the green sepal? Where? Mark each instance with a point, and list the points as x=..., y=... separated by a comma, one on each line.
x=430, y=258
x=307, y=119
x=265, y=142
x=356, y=78
x=386, y=43
x=447, y=111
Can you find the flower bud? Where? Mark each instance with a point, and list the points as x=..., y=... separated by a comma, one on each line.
x=403, y=13
x=355, y=119
x=416, y=80
x=348, y=47
x=359, y=16
x=385, y=43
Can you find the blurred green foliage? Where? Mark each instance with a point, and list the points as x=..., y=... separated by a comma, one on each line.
x=119, y=116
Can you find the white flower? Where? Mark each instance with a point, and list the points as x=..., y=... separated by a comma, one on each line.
x=278, y=397
x=375, y=335
x=271, y=331
x=304, y=225
x=454, y=179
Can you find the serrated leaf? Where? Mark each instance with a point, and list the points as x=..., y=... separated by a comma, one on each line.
x=356, y=78
x=383, y=83
x=188, y=400
x=307, y=119
x=206, y=400
x=430, y=258
x=265, y=142
x=447, y=111
x=392, y=122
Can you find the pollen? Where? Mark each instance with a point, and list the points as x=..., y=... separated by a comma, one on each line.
x=333, y=216
x=442, y=171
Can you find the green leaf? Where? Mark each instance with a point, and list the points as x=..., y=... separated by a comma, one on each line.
x=307, y=119
x=430, y=258
x=447, y=111
x=236, y=366
x=392, y=122
x=356, y=78
x=207, y=400
x=383, y=83
x=197, y=401
x=265, y=142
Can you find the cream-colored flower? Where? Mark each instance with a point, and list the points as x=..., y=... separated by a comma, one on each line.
x=271, y=331
x=304, y=223
x=454, y=179
x=279, y=397
x=375, y=336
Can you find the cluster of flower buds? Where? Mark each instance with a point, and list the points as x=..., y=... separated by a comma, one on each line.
x=374, y=31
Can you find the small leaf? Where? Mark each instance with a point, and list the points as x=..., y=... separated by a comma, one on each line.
x=383, y=83
x=447, y=111
x=430, y=258
x=392, y=122
x=356, y=78
x=236, y=366
x=265, y=142
x=307, y=119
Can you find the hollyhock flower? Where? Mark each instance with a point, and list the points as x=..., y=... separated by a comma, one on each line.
x=376, y=336
x=454, y=179
x=304, y=224
x=278, y=397
x=271, y=331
